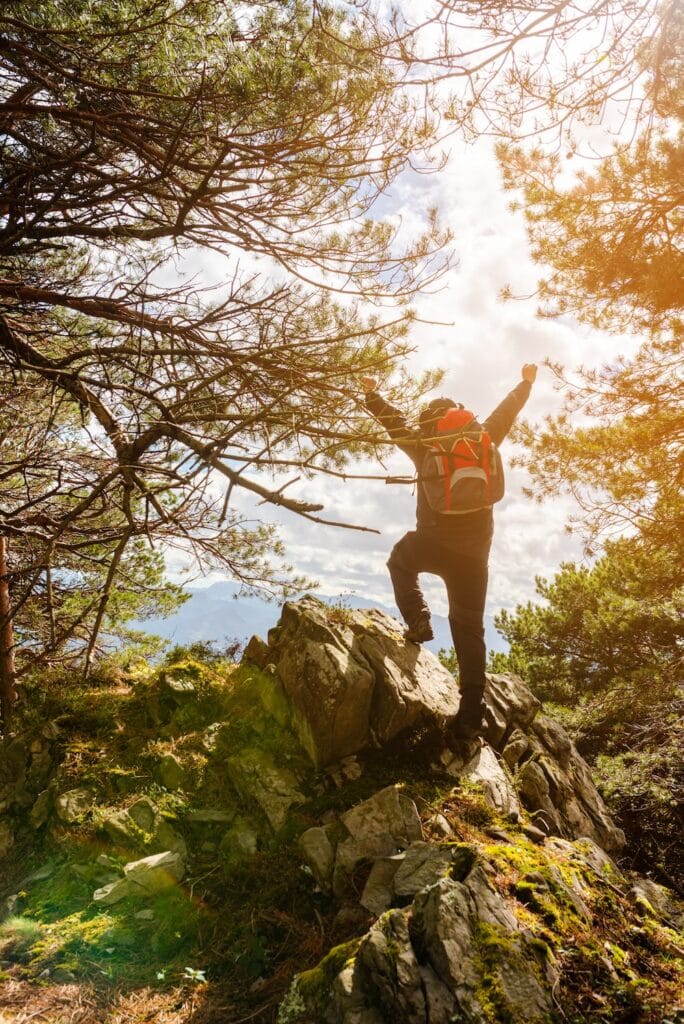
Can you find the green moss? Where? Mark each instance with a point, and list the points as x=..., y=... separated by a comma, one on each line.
x=314, y=985
x=536, y=899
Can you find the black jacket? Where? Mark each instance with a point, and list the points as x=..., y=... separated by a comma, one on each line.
x=470, y=533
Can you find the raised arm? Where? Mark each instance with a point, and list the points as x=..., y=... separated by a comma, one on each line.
x=501, y=420
x=393, y=420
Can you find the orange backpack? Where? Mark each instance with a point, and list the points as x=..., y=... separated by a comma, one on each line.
x=461, y=470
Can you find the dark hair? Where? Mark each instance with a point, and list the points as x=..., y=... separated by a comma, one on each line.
x=434, y=411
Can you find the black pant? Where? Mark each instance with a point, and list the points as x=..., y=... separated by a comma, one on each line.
x=466, y=583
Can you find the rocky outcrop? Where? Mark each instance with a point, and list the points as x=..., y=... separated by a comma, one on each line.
x=466, y=948
x=350, y=678
x=350, y=683
x=475, y=884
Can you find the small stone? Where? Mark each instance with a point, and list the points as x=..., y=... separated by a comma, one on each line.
x=534, y=834
x=74, y=804
x=156, y=873
x=318, y=853
x=170, y=773
x=439, y=824
x=500, y=834
x=112, y=893
x=46, y=870
x=11, y=905
x=145, y=915
x=105, y=861
x=211, y=735
x=240, y=841
x=144, y=814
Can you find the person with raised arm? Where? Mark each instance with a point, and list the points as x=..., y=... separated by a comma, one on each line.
x=459, y=477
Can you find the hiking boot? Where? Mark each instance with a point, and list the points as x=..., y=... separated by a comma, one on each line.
x=466, y=727
x=420, y=630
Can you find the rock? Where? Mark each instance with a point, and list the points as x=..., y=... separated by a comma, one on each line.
x=388, y=959
x=422, y=865
x=211, y=735
x=141, y=826
x=534, y=834
x=378, y=892
x=40, y=812
x=511, y=703
x=239, y=841
x=153, y=874
x=144, y=915
x=557, y=785
x=516, y=745
x=105, y=861
x=354, y=683
x=533, y=787
x=259, y=779
x=143, y=813
x=657, y=901
x=319, y=854
x=383, y=825
x=257, y=652
x=329, y=684
x=61, y=976
x=11, y=905
x=170, y=773
x=411, y=686
x=74, y=804
x=112, y=893
x=435, y=961
x=440, y=826
x=485, y=769
x=45, y=871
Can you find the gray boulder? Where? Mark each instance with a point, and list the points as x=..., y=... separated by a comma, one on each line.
x=141, y=826
x=170, y=773
x=73, y=804
x=353, y=682
x=143, y=878
x=259, y=779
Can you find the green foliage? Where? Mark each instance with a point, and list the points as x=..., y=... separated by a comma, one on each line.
x=605, y=644
x=616, y=622
x=605, y=647
x=17, y=935
x=186, y=131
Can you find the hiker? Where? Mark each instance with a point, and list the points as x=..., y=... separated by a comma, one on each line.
x=450, y=541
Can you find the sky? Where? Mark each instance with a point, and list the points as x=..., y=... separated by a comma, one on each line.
x=481, y=342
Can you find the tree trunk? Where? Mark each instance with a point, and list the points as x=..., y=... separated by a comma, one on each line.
x=8, y=694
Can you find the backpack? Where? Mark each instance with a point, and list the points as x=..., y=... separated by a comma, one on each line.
x=461, y=470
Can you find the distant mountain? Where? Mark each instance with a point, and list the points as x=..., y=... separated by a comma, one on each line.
x=217, y=613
